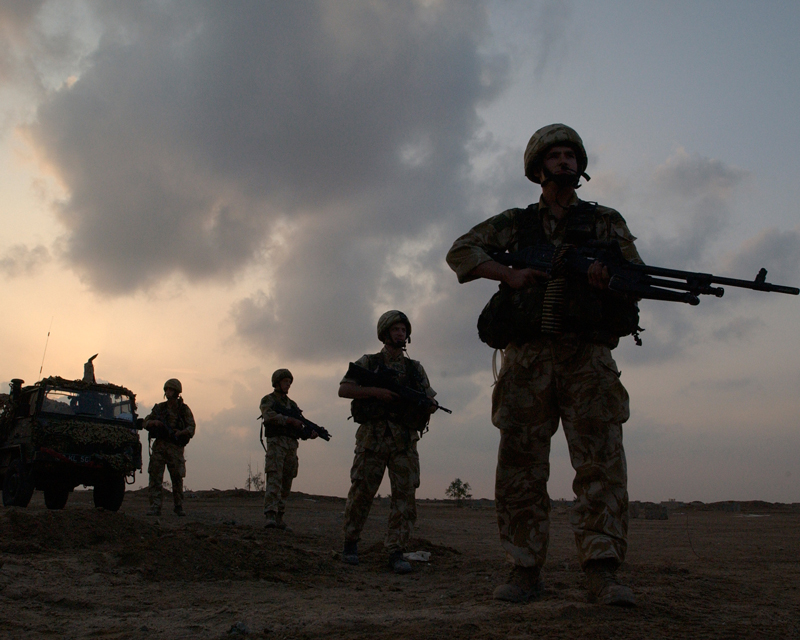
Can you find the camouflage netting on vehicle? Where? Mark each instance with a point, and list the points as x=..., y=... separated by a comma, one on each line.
x=85, y=438
x=81, y=385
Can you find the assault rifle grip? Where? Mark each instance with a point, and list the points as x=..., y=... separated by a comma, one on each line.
x=387, y=379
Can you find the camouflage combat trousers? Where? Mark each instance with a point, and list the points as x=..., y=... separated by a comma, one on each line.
x=579, y=384
x=169, y=455
x=280, y=468
x=366, y=476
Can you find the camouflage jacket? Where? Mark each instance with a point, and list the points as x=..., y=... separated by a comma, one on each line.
x=503, y=232
x=275, y=424
x=384, y=422
x=499, y=233
x=176, y=419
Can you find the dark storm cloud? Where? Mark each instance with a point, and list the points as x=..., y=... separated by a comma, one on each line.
x=16, y=21
x=195, y=127
x=695, y=193
x=689, y=199
x=19, y=260
x=37, y=51
x=320, y=303
x=777, y=251
x=550, y=31
x=694, y=175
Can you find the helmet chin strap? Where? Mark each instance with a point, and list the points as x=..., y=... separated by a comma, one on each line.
x=564, y=179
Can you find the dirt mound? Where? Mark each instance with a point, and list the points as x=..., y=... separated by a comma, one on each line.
x=195, y=551
x=217, y=573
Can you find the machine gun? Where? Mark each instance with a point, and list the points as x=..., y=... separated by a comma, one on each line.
x=638, y=280
x=386, y=378
x=308, y=426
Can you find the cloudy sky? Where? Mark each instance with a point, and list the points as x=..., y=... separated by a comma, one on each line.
x=211, y=191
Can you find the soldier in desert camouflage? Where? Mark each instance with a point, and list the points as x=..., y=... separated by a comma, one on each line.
x=568, y=376
x=174, y=423
x=386, y=438
x=281, y=463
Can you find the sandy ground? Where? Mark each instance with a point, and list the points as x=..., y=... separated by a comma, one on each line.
x=81, y=572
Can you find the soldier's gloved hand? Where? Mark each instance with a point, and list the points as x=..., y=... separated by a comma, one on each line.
x=523, y=278
x=598, y=275
x=154, y=424
x=294, y=422
x=384, y=395
x=313, y=435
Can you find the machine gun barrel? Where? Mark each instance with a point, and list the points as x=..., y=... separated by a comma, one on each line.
x=672, y=285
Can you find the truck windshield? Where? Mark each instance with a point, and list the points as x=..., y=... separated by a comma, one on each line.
x=97, y=404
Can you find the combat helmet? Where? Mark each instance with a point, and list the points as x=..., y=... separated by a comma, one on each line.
x=550, y=136
x=173, y=383
x=389, y=318
x=281, y=374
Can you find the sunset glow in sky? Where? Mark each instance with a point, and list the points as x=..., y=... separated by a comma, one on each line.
x=212, y=191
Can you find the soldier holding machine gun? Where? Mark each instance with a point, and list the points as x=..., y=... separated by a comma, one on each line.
x=570, y=278
x=558, y=333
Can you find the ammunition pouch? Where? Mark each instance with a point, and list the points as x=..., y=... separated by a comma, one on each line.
x=401, y=412
x=522, y=315
x=367, y=410
x=563, y=304
x=511, y=315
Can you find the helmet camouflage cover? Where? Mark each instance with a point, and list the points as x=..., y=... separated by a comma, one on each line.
x=390, y=318
x=173, y=383
x=281, y=374
x=550, y=136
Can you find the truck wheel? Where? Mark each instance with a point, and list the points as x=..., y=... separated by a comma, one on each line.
x=17, y=485
x=109, y=492
x=55, y=496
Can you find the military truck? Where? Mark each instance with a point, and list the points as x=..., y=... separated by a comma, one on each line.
x=58, y=434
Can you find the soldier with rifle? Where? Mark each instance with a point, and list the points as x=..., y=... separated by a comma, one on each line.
x=558, y=333
x=284, y=425
x=390, y=424
x=172, y=425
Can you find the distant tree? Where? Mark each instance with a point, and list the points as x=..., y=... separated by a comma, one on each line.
x=254, y=482
x=459, y=491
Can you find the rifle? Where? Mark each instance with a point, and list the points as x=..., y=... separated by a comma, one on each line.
x=638, y=280
x=386, y=378
x=164, y=432
x=308, y=426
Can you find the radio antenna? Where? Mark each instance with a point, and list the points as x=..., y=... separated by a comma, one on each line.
x=45, y=347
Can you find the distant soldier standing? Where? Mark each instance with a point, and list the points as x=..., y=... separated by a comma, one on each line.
x=553, y=372
x=281, y=463
x=386, y=438
x=172, y=424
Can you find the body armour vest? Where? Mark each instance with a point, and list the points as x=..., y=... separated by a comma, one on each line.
x=370, y=410
x=272, y=430
x=564, y=304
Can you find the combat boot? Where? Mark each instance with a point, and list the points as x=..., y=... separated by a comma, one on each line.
x=272, y=520
x=350, y=552
x=523, y=585
x=398, y=563
x=179, y=510
x=603, y=585
x=154, y=511
x=280, y=524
